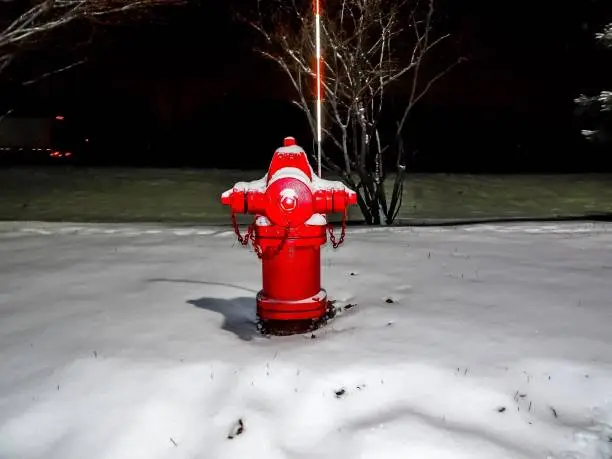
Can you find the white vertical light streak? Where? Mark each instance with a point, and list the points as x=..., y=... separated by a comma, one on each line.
x=319, y=82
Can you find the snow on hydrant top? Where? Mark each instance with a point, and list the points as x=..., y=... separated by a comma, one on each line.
x=291, y=152
x=290, y=155
x=290, y=160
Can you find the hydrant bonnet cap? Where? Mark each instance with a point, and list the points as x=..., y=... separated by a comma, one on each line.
x=289, y=142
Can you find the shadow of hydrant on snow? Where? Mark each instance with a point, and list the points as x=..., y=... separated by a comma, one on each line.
x=239, y=314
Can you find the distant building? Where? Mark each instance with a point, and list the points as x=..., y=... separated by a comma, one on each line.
x=35, y=138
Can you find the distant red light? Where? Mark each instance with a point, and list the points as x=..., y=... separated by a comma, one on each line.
x=59, y=118
x=68, y=154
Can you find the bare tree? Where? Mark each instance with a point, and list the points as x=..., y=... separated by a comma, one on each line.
x=27, y=24
x=368, y=46
x=598, y=108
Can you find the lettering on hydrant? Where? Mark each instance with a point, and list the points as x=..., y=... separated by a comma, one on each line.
x=289, y=204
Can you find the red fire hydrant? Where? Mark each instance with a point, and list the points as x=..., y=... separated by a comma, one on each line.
x=290, y=226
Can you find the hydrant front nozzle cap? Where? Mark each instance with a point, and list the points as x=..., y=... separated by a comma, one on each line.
x=289, y=141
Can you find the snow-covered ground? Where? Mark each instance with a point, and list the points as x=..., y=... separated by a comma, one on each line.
x=139, y=342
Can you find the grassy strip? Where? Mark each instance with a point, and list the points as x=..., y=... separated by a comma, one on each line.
x=188, y=196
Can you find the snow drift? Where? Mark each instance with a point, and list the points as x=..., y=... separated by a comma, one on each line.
x=473, y=342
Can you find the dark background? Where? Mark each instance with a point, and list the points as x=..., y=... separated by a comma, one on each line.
x=188, y=90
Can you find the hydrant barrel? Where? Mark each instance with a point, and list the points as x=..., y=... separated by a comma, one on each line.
x=293, y=273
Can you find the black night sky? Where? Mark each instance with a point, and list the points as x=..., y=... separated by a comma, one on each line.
x=188, y=90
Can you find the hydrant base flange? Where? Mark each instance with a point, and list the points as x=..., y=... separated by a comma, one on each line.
x=311, y=308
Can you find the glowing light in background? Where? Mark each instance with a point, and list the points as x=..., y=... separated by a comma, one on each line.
x=319, y=82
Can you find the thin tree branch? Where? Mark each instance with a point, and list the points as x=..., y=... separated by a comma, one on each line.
x=368, y=45
x=48, y=74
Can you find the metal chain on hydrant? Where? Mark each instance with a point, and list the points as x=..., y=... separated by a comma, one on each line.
x=270, y=253
x=332, y=236
x=244, y=240
x=250, y=236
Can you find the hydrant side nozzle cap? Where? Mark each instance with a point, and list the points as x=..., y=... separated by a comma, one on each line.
x=225, y=197
x=289, y=142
